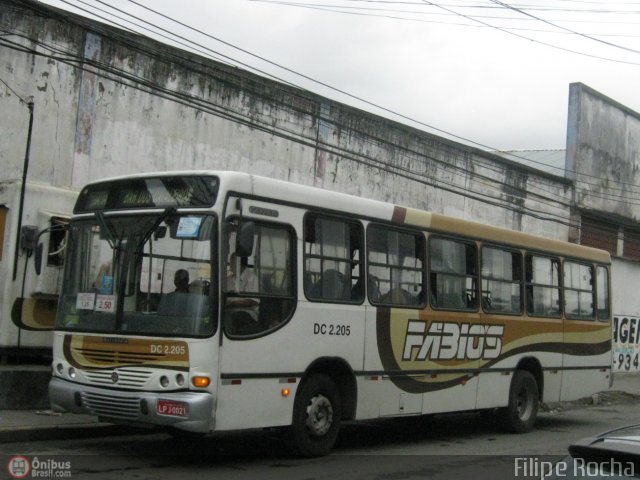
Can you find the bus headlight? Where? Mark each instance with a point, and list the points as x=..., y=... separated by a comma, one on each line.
x=72, y=372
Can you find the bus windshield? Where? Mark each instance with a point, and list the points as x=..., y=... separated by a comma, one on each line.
x=140, y=274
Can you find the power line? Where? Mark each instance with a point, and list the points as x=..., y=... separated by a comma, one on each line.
x=22, y=100
x=610, y=196
x=310, y=142
x=487, y=6
x=510, y=7
x=602, y=195
x=315, y=145
x=441, y=14
x=557, y=47
x=355, y=97
x=186, y=45
x=291, y=71
x=364, y=12
x=332, y=148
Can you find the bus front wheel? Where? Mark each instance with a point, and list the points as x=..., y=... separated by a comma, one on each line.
x=317, y=413
x=520, y=415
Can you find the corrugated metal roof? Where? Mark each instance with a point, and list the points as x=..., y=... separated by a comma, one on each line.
x=549, y=161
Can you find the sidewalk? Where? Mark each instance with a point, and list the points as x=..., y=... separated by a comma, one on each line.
x=627, y=382
x=33, y=425
x=625, y=389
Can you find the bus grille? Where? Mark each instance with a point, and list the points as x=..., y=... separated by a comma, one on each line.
x=111, y=406
x=110, y=357
x=126, y=377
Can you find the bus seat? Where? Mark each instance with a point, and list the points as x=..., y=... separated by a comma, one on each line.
x=174, y=303
x=333, y=285
x=452, y=300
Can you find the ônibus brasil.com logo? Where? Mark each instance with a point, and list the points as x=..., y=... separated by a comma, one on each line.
x=21, y=467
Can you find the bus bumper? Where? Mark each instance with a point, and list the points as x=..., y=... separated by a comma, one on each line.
x=189, y=411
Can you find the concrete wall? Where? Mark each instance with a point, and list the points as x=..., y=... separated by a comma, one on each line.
x=96, y=123
x=624, y=286
x=603, y=157
x=603, y=153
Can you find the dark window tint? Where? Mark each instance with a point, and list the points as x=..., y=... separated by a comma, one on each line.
x=259, y=288
x=152, y=192
x=453, y=274
x=501, y=281
x=333, y=259
x=396, y=267
x=578, y=291
x=543, y=286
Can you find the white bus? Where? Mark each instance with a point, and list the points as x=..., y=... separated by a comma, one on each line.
x=213, y=301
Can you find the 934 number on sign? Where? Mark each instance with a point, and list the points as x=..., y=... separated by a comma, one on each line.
x=625, y=362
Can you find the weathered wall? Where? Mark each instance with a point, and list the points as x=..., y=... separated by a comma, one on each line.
x=54, y=88
x=624, y=286
x=127, y=112
x=108, y=102
x=603, y=157
x=603, y=153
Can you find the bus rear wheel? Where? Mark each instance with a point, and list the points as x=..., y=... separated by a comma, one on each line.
x=520, y=415
x=317, y=413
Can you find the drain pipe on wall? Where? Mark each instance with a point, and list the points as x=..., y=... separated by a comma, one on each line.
x=25, y=168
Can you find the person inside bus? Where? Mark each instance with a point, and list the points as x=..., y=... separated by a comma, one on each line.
x=243, y=310
x=181, y=281
x=175, y=303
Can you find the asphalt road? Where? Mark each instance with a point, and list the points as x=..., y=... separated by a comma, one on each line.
x=443, y=447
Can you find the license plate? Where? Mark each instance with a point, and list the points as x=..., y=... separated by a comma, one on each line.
x=172, y=409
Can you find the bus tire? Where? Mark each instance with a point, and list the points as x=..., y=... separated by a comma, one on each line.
x=520, y=415
x=317, y=413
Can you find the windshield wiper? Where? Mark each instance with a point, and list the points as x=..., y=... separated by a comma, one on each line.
x=147, y=235
x=109, y=231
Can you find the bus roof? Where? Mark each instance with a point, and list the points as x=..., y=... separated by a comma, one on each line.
x=455, y=226
x=293, y=193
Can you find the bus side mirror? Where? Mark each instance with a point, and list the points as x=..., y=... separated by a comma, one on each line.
x=244, y=239
x=38, y=259
x=38, y=246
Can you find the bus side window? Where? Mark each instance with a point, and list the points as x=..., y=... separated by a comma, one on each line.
x=579, y=285
x=542, y=276
x=396, y=267
x=453, y=274
x=333, y=269
x=501, y=281
x=259, y=289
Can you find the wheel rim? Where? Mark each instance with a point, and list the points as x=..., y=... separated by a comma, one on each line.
x=524, y=403
x=319, y=415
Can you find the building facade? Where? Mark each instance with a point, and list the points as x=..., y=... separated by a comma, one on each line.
x=108, y=102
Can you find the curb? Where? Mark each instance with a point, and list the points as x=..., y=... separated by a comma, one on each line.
x=609, y=397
